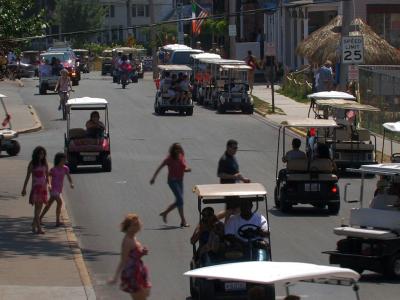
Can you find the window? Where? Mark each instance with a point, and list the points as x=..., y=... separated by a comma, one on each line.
x=385, y=21
x=112, y=11
x=147, y=13
x=106, y=11
x=134, y=11
x=140, y=10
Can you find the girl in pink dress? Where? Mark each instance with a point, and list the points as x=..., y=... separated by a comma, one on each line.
x=131, y=270
x=39, y=170
x=57, y=174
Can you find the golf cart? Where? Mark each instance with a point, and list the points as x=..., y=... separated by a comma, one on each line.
x=296, y=278
x=82, y=61
x=163, y=101
x=106, y=62
x=81, y=147
x=393, y=127
x=7, y=135
x=308, y=180
x=228, y=194
x=330, y=95
x=372, y=238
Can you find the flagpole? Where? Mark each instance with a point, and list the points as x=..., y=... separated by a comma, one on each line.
x=193, y=23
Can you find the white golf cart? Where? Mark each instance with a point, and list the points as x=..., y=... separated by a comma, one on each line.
x=256, y=248
x=309, y=280
x=329, y=95
x=164, y=101
x=309, y=180
x=394, y=128
x=84, y=147
x=7, y=135
x=372, y=237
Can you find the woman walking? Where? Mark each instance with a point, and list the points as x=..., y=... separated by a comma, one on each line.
x=131, y=269
x=57, y=174
x=176, y=169
x=39, y=170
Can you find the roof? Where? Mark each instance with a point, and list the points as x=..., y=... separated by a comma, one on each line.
x=205, y=55
x=174, y=68
x=273, y=272
x=80, y=50
x=224, y=190
x=85, y=101
x=3, y=96
x=236, y=67
x=383, y=169
x=392, y=126
x=346, y=104
x=175, y=47
x=51, y=53
x=331, y=95
x=308, y=123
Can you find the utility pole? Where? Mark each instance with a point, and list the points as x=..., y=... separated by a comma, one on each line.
x=347, y=12
x=232, y=22
x=179, y=8
x=153, y=37
x=128, y=18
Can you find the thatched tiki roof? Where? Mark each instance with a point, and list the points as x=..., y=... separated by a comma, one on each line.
x=325, y=43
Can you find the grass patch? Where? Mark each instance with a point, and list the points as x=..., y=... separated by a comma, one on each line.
x=266, y=108
x=293, y=95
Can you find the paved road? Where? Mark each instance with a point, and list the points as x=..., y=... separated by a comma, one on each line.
x=140, y=140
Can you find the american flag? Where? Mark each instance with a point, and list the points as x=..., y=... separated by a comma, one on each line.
x=199, y=22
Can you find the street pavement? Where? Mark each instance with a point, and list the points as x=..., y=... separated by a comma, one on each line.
x=140, y=140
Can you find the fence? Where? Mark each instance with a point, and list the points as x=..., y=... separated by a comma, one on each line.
x=380, y=87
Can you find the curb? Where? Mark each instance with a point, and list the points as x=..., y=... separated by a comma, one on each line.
x=78, y=257
x=38, y=124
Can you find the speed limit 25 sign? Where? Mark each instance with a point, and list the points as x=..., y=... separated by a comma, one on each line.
x=352, y=50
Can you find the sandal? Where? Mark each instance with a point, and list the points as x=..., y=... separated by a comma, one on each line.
x=185, y=225
x=164, y=217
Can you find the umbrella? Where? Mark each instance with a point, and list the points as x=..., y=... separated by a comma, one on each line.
x=324, y=44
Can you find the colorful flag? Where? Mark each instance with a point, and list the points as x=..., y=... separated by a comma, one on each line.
x=193, y=17
x=199, y=22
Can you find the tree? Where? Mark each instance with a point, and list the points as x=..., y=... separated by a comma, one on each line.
x=78, y=15
x=18, y=19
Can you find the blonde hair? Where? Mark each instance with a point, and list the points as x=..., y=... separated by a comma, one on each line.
x=128, y=221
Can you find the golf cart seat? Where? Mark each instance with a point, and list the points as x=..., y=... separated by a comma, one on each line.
x=384, y=201
x=363, y=135
x=371, y=223
x=297, y=166
x=343, y=134
x=77, y=133
x=354, y=146
x=321, y=165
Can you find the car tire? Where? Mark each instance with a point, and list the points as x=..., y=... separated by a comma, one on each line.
x=107, y=165
x=334, y=208
x=206, y=289
x=392, y=266
x=284, y=205
x=189, y=112
x=14, y=149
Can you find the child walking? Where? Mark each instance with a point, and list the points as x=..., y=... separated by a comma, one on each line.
x=176, y=169
x=57, y=174
x=39, y=170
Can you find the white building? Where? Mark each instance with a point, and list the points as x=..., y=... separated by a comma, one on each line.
x=125, y=13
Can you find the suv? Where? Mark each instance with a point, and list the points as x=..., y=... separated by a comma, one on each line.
x=68, y=59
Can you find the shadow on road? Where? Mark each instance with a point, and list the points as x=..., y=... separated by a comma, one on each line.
x=164, y=227
x=300, y=212
x=378, y=279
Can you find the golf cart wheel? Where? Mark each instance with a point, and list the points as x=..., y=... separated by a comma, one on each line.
x=220, y=108
x=334, y=208
x=42, y=89
x=103, y=73
x=107, y=164
x=189, y=112
x=284, y=204
x=206, y=289
x=192, y=281
x=14, y=149
x=250, y=110
x=392, y=266
x=161, y=111
x=276, y=197
x=269, y=291
x=75, y=82
x=72, y=162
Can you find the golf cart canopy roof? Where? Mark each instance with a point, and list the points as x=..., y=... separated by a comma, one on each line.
x=226, y=190
x=346, y=104
x=268, y=272
x=87, y=103
x=206, y=55
x=309, y=123
x=176, y=47
x=236, y=67
x=3, y=96
x=382, y=169
x=174, y=68
x=392, y=126
x=331, y=95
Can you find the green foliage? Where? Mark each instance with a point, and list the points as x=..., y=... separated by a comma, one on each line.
x=296, y=86
x=78, y=15
x=18, y=19
x=218, y=27
x=166, y=33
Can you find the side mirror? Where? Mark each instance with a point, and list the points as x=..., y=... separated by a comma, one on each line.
x=345, y=195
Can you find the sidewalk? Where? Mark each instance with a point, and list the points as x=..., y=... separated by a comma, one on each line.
x=23, y=117
x=296, y=110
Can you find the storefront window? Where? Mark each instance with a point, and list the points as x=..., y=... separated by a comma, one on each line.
x=385, y=21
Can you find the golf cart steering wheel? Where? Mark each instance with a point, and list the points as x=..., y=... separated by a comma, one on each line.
x=249, y=231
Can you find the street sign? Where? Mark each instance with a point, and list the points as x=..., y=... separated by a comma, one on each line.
x=232, y=30
x=270, y=49
x=352, y=50
x=353, y=74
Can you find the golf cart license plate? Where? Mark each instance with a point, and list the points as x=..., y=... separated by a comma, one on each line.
x=311, y=187
x=235, y=286
x=89, y=158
